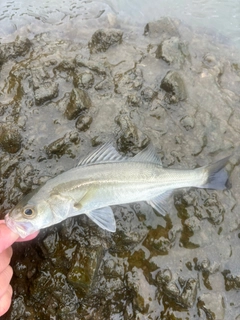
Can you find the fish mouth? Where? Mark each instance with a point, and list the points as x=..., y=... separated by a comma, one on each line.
x=22, y=229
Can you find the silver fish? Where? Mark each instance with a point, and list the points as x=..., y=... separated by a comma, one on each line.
x=105, y=178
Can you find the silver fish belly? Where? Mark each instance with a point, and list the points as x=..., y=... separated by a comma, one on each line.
x=105, y=178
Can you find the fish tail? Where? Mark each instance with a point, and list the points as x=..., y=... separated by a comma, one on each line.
x=217, y=176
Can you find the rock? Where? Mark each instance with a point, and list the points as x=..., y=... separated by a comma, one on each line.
x=94, y=66
x=57, y=147
x=188, y=122
x=173, y=51
x=163, y=28
x=24, y=177
x=148, y=94
x=19, y=47
x=83, y=123
x=189, y=293
x=84, y=268
x=212, y=304
x=45, y=92
x=61, y=145
x=232, y=282
x=133, y=100
x=131, y=138
x=10, y=138
x=174, y=85
x=79, y=101
x=84, y=80
x=103, y=39
x=128, y=81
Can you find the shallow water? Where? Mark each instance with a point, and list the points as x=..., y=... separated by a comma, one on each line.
x=215, y=16
x=184, y=265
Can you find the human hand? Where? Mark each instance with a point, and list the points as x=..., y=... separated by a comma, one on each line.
x=7, y=238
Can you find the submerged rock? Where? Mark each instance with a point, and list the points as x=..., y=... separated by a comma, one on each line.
x=102, y=40
x=10, y=138
x=79, y=102
x=161, y=29
x=83, y=123
x=173, y=51
x=174, y=85
x=19, y=47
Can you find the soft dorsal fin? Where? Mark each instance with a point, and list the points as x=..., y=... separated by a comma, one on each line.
x=148, y=154
x=105, y=153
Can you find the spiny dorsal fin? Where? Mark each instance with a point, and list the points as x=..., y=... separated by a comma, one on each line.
x=148, y=154
x=107, y=153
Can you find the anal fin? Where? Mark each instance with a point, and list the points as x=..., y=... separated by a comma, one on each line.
x=104, y=218
x=161, y=203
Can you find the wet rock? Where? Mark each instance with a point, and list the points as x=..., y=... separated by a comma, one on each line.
x=189, y=293
x=173, y=51
x=18, y=308
x=10, y=138
x=62, y=145
x=143, y=291
x=188, y=122
x=174, y=85
x=131, y=138
x=102, y=40
x=84, y=80
x=183, y=293
x=84, y=268
x=148, y=94
x=45, y=92
x=57, y=147
x=133, y=100
x=106, y=86
x=50, y=242
x=94, y=66
x=164, y=276
x=232, y=282
x=19, y=47
x=162, y=245
x=24, y=177
x=129, y=230
x=212, y=305
x=79, y=102
x=214, y=209
x=130, y=80
x=7, y=166
x=83, y=123
x=163, y=28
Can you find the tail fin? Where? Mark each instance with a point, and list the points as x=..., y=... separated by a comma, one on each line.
x=217, y=176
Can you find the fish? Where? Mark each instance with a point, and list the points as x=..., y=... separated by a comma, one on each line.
x=106, y=178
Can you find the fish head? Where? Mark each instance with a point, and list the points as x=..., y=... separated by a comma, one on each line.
x=29, y=215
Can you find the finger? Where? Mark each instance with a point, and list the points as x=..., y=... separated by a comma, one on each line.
x=5, y=300
x=5, y=278
x=7, y=237
x=5, y=258
x=30, y=237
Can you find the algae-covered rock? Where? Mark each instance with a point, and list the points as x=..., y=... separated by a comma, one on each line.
x=174, y=85
x=102, y=40
x=10, y=138
x=79, y=101
x=45, y=92
x=83, y=123
x=84, y=80
x=19, y=47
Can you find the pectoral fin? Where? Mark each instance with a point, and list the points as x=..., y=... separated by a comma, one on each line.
x=104, y=218
x=161, y=203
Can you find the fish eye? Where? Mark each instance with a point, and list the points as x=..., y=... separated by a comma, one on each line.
x=28, y=212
